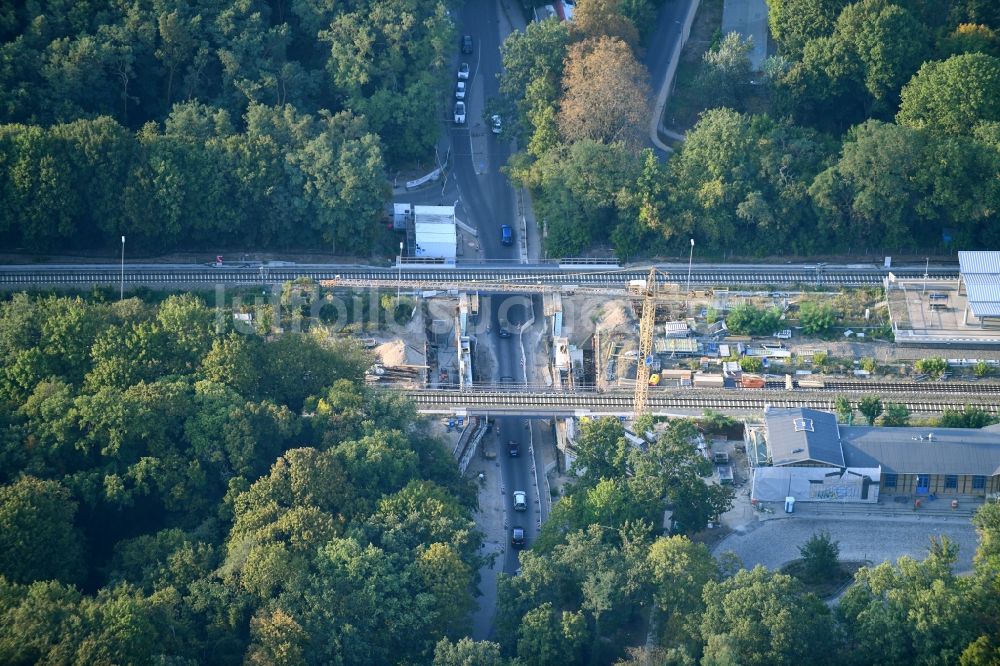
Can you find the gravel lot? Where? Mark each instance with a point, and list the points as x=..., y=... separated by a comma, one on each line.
x=773, y=543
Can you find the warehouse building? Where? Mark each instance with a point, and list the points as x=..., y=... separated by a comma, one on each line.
x=806, y=454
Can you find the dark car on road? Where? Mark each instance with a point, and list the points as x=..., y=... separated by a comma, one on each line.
x=506, y=235
x=517, y=537
x=514, y=448
x=466, y=44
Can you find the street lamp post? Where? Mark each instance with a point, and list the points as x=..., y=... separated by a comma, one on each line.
x=927, y=267
x=690, y=259
x=121, y=295
x=399, y=265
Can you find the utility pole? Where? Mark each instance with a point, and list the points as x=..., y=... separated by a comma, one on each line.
x=927, y=267
x=690, y=259
x=399, y=265
x=647, y=322
x=121, y=295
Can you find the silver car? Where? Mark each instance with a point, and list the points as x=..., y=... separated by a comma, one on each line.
x=459, y=113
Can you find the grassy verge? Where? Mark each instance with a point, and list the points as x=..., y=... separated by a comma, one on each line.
x=686, y=101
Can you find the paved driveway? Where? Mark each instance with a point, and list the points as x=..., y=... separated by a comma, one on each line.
x=773, y=543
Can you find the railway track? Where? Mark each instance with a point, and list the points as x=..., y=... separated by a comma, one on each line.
x=664, y=401
x=890, y=388
x=15, y=277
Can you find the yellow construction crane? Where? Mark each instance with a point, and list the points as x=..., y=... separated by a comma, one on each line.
x=647, y=322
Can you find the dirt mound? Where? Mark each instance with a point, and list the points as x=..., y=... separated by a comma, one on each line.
x=392, y=353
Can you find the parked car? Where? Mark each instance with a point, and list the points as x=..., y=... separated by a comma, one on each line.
x=514, y=448
x=460, y=90
x=466, y=44
x=463, y=71
x=517, y=537
x=506, y=234
x=520, y=500
x=459, y=113
x=497, y=124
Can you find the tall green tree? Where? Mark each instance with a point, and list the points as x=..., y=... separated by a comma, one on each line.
x=549, y=638
x=793, y=23
x=679, y=571
x=739, y=624
x=871, y=407
x=820, y=557
x=728, y=71
x=36, y=516
x=954, y=95
x=877, y=607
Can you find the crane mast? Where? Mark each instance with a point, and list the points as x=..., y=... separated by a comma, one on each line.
x=647, y=323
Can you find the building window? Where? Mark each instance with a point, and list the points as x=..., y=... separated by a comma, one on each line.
x=889, y=480
x=951, y=481
x=978, y=482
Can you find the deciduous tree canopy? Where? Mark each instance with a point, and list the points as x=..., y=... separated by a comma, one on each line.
x=161, y=462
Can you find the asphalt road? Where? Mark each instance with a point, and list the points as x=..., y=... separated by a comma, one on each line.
x=487, y=199
x=776, y=542
x=517, y=472
x=660, y=47
x=486, y=203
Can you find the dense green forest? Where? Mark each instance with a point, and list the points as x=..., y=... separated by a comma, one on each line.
x=173, y=493
x=880, y=131
x=242, y=123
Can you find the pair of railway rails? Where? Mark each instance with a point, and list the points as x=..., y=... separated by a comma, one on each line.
x=469, y=278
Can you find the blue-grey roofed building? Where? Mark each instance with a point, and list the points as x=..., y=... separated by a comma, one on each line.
x=808, y=455
x=803, y=437
x=919, y=461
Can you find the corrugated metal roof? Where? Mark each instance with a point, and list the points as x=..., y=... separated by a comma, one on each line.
x=981, y=309
x=798, y=435
x=909, y=451
x=979, y=279
x=981, y=273
x=979, y=261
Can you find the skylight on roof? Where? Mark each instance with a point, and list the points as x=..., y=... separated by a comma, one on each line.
x=803, y=425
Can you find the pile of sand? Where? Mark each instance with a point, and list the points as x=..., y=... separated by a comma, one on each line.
x=613, y=316
x=392, y=353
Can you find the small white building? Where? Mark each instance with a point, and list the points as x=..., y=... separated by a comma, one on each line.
x=676, y=329
x=435, y=232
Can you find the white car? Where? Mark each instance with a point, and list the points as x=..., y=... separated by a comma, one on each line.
x=463, y=71
x=459, y=113
x=497, y=124
x=520, y=500
x=460, y=90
